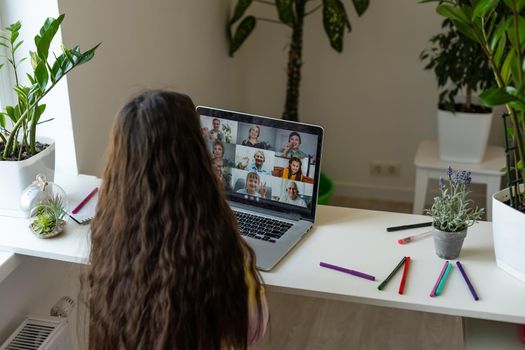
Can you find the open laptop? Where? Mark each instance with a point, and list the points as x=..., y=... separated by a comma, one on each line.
x=270, y=172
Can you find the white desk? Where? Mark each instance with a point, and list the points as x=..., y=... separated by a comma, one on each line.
x=348, y=237
x=430, y=166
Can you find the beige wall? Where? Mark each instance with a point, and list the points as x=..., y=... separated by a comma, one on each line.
x=178, y=44
x=375, y=100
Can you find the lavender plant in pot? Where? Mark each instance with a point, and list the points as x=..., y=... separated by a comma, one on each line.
x=461, y=70
x=452, y=214
x=22, y=153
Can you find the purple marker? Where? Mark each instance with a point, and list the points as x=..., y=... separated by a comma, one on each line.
x=472, y=291
x=351, y=272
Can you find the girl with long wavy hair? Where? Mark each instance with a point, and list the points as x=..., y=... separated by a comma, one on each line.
x=168, y=267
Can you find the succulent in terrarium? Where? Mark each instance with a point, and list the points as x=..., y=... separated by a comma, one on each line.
x=49, y=217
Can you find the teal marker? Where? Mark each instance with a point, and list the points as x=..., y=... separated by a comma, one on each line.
x=442, y=283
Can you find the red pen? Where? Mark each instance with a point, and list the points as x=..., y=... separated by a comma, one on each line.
x=84, y=201
x=404, y=278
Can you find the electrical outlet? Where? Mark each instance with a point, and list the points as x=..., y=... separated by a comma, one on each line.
x=376, y=168
x=388, y=168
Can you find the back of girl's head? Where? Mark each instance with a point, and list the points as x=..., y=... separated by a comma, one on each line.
x=167, y=262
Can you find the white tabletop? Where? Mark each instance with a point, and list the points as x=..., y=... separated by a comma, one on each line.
x=352, y=238
x=427, y=156
x=357, y=239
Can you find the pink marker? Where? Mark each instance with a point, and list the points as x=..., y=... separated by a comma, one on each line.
x=414, y=237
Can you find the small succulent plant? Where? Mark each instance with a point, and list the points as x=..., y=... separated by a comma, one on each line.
x=49, y=217
x=453, y=211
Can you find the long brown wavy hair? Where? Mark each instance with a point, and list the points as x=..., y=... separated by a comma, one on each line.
x=167, y=261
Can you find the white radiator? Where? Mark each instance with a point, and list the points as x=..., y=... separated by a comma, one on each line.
x=36, y=333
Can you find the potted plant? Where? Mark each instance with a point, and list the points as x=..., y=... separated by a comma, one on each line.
x=49, y=217
x=501, y=36
x=452, y=214
x=460, y=66
x=293, y=13
x=22, y=153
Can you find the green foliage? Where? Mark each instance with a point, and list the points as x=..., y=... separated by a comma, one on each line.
x=292, y=13
x=452, y=211
x=335, y=19
x=459, y=64
x=49, y=215
x=26, y=114
x=498, y=27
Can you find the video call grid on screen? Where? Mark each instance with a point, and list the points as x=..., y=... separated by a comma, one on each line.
x=263, y=163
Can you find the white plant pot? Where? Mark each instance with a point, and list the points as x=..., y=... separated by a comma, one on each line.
x=463, y=137
x=15, y=176
x=508, y=228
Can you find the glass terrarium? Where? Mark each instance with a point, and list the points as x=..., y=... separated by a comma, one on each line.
x=46, y=204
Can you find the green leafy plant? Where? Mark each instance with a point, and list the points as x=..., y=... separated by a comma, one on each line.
x=19, y=142
x=501, y=36
x=49, y=216
x=452, y=211
x=459, y=65
x=292, y=13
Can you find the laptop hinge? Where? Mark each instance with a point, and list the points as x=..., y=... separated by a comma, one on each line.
x=250, y=208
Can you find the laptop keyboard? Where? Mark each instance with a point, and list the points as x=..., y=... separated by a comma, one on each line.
x=260, y=227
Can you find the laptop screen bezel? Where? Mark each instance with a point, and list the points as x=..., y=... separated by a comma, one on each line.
x=305, y=213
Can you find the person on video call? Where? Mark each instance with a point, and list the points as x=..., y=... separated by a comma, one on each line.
x=293, y=171
x=215, y=134
x=253, y=139
x=291, y=148
x=224, y=177
x=292, y=195
x=168, y=268
x=252, y=187
x=218, y=156
x=254, y=165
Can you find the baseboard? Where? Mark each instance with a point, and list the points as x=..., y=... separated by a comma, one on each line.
x=390, y=193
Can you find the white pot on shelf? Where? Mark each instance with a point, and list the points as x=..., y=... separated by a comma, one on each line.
x=463, y=137
x=508, y=228
x=15, y=176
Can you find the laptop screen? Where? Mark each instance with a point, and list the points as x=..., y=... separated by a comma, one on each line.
x=270, y=163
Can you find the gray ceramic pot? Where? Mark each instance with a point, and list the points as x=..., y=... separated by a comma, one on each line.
x=448, y=244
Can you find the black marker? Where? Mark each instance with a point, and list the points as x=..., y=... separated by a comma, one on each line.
x=406, y=227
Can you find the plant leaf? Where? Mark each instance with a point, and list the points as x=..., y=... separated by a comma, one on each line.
x=240, y=9
x=452, y=12
x=497, y=35
x=47, y=33
x=334, y=21
x=285, y=11
x=41, y=75
x=500, y=49
x=496, y=96
x=360, y=6
x=465, y=30
x=243, y=31
x=481, y=7
x=88, y=55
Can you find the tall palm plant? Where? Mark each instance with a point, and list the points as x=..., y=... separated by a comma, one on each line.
x=292, y=13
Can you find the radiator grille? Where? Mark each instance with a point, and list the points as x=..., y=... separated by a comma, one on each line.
x=31, y=336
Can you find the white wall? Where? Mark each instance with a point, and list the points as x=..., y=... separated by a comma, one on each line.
x=32, y=14
x=178, y=44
